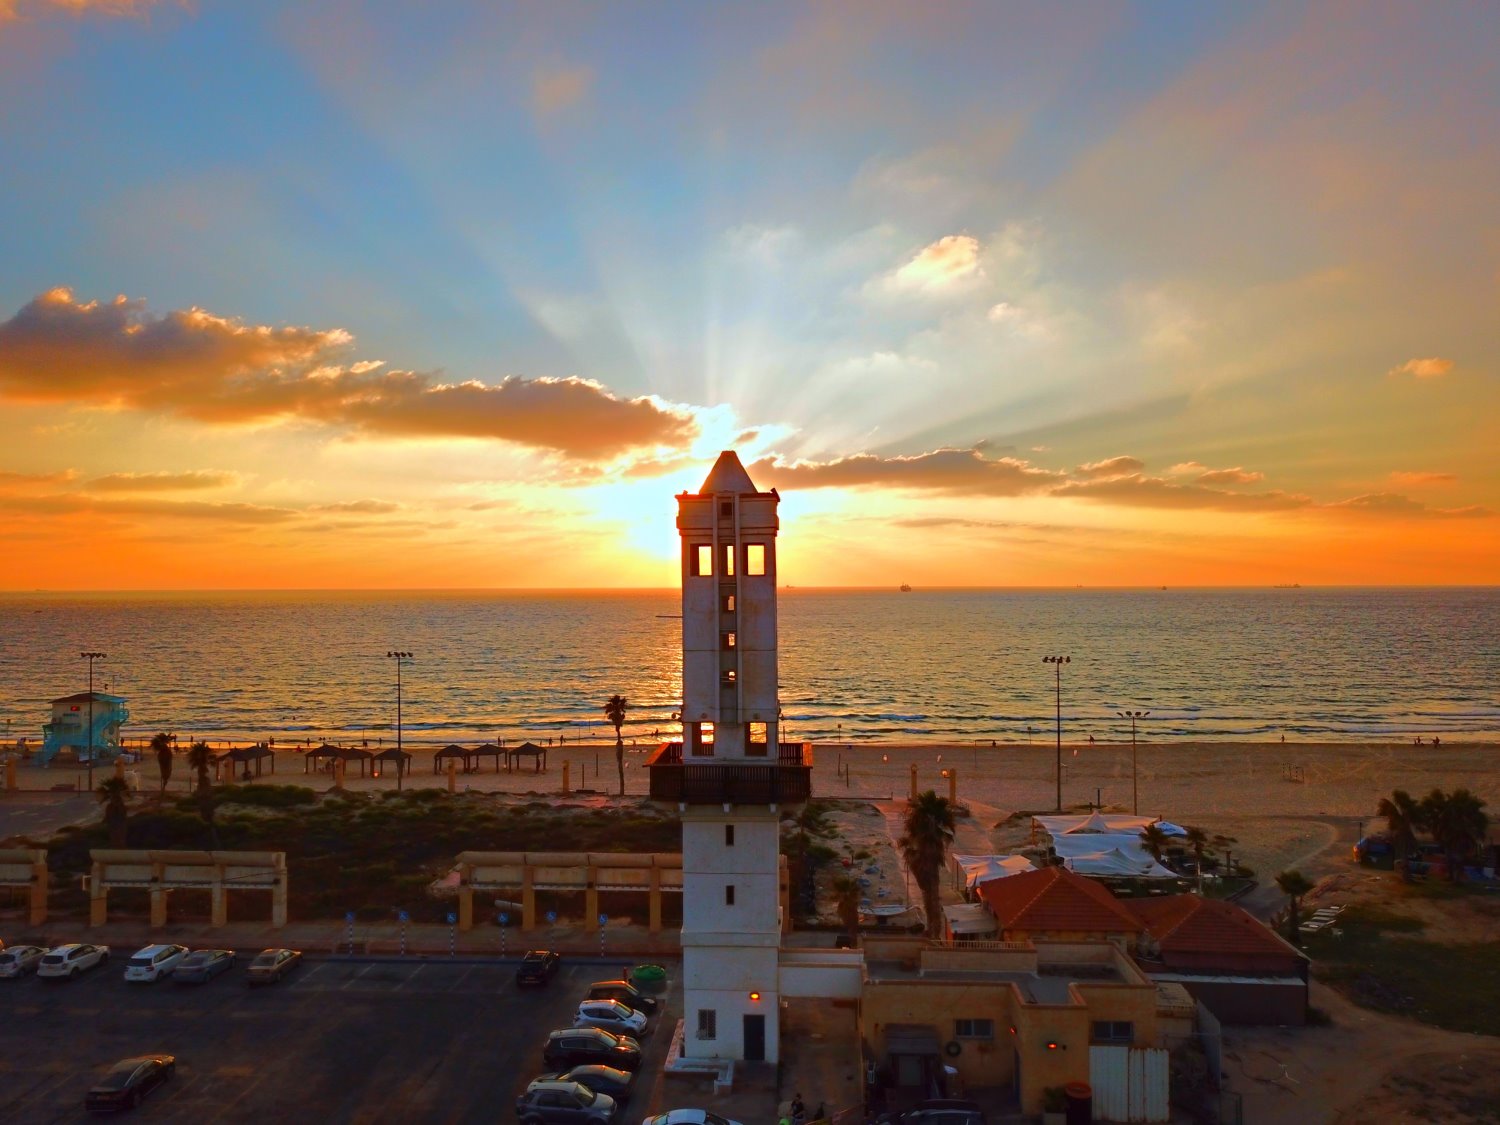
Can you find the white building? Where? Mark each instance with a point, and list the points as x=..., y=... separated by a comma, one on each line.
x=731, y=777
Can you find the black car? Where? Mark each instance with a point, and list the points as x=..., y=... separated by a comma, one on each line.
x=938, y=1111
x=537, y=967
x=626, y=993
x=600, y=1079
x=202, y=965
x=128, y=1081
x=584, y=1046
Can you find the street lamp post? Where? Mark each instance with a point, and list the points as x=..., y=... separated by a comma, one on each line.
x=1057, y=662
x=400, y=658
x=91, y=657
x=1135, y=793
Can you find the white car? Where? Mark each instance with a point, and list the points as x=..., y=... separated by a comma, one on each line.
x=611, y=1016
x=688, y=1117
x=69, y=960
x=18, y=960
x=154, y=962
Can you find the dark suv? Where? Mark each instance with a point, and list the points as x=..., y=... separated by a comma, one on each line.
x=625, y=992
x=564, y=1103
x=939, y=1111
x=580, y=1046
x=537, y=967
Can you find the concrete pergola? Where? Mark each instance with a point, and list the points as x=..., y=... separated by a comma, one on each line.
x=655, y=873
x=27, y=867
x=162, y=872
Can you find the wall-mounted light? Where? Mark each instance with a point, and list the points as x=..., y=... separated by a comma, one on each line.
x=1054, y=1045
x=755, y=997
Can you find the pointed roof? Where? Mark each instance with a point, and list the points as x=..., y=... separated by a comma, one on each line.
x=1190, y=924
x=728, y=475
x=1054, y=898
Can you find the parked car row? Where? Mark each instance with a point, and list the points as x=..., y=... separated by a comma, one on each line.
x=182, y=965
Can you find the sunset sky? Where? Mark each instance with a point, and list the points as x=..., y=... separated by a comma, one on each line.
x=336, y=294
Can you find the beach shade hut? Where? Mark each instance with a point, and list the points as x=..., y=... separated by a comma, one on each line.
x=321, y=754
x=241, y=759
x=488, y=750
x=452, y=751
x=537, y=754
x=353, y=754
x=402, y=758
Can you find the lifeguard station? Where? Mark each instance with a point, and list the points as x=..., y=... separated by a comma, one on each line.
x=73, y=716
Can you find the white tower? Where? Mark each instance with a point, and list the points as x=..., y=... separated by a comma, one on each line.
x=730, y=776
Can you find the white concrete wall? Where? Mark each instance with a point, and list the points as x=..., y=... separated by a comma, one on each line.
x=751, y=866
x=722, y=980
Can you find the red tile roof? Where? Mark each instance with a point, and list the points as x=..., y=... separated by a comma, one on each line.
x=1054, y=898
x=1189, y=924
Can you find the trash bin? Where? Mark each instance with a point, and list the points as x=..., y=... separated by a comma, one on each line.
x=1080, y=1109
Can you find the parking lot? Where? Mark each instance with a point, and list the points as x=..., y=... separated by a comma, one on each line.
x=337, y=1041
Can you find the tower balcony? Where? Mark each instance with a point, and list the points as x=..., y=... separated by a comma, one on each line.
x=786, y=780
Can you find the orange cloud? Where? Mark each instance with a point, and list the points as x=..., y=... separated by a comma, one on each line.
x=1236, y=475
x=161, y=482
x=211, y=369
x=1113, y=467
x=951, y=471
x=1142, y=491
x=62, y=476
x=948, y=263
x=559, y=88
x=1430, y=368
x=68, y=504
x=1420, y=479
x=1391, y=504
x=15, y=9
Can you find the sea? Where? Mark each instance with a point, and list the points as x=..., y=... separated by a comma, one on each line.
x=949, y=665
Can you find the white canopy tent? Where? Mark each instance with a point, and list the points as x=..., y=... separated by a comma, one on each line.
x=1095, y=822
x=976, y=869
x=970, y=920
x=1116, y=855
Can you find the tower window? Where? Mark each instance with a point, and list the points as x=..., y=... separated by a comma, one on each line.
x=729, y=640
x=729, y=894
x=755, y=558
x=729, y=835
x=728, y=603
x=728, y=569
x=729, y=677
x=726, y=508
x=707, y=1023
x=702, y=559
x=756, y=736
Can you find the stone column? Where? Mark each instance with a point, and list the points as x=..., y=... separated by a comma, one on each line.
x=98, y=897
x=39, y=887
x=278, y=900
x=528, y=897
x=566, y=790
x=218, y=897
x=655, y=899
x=10, y=773
x=466, y=897
x=119, y=769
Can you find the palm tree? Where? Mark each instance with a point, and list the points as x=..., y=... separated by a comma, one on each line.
x=1197, y=839
x=1403, y=816
x=111, y=793
x=161, y=746
x=1458, y=824
x=846, y=895
x=614, y=710
x=924, y=847
x=1294, y=885
x=200, y=757
x=1225, y=844
x=1154, y=840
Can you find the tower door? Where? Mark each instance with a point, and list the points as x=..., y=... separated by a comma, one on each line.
x=755, y=1038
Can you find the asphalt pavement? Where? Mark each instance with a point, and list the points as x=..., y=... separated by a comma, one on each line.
x=354, y=1041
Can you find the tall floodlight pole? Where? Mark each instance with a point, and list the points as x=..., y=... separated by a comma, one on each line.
x=400, y=658
x=91, y=657
x=1057, y=662
x=1135, y=793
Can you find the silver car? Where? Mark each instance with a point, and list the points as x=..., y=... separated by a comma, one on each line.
x=18, y=960
x=610, y=1016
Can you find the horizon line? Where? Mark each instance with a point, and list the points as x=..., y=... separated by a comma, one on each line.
x=1123, y=587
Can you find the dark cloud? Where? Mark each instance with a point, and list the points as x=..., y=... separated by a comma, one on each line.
x=959, y=472
x=211, y=369
x=1141, y=491
x=1113, y=467
x=161, y=482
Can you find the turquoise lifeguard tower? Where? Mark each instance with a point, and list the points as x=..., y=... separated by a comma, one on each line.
x=69, y=728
